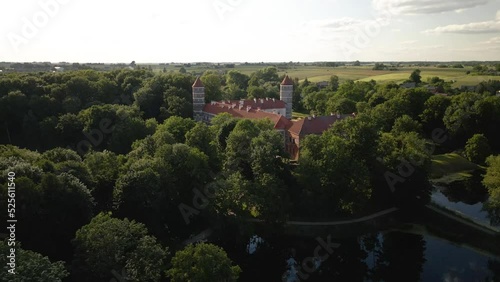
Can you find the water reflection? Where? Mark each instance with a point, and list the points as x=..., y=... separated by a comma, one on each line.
x=254, y=244
x=384, y=256
x=468, y=197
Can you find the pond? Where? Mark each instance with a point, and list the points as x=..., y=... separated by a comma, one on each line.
x=401, y=253
x=468, y=197
x=381, y=256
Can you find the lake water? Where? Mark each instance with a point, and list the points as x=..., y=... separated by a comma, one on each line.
x=468, y=198
x=382, y=256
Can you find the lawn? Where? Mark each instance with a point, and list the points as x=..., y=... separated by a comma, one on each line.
x=297, y=115
x=450, y=167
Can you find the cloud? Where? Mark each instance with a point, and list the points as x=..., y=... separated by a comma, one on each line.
x=408, y=42
x=492, y=41
x=345, y=24
x=470, y=28
x=418, y=7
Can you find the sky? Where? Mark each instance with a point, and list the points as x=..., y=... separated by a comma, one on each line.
x=151, y=31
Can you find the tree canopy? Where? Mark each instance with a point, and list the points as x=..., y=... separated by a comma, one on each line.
x=203, y=262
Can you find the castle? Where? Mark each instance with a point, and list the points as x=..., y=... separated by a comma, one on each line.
x=279, y=112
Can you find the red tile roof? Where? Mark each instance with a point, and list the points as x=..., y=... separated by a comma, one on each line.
x=314, y=125
x=198, y=83
x=279, y=121
x=287, y=81
x=263, y=103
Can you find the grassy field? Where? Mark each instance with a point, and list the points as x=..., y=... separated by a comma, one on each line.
x=362, y=73
x=450, y=167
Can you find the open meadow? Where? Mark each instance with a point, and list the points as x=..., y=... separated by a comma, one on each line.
x=363, y=73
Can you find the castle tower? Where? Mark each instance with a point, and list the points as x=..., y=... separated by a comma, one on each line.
x=286, y=95
x=198, y=99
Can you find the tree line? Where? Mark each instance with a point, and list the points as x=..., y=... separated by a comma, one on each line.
x=104, y=160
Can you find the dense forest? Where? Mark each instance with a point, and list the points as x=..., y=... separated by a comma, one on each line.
x=112, y=173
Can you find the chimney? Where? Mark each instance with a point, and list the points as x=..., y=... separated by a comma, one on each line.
x=255, y=100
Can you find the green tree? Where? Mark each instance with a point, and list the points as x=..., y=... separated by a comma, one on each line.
x=103, y=167
x=459, y=117
x=53, y=206
x=405, y=163
x=202, y=138
x=238, y=148
x=492, y=180
x=334, y=178
x=221, y=126
x=405, y=124
x=70, y=128
x=316, y=101
x=379, y=66
x=107, y=244
x=256, y=92
x=360, y=133
x=213, y=86
x=176, y=107
x=268, y=74
x=340, y=105
x=384, y=115
x=137, y=194
x=434, y=110
x=203, y=263
x=415, y=76
x=334, y=83
x=356, y=91
x=477, y=149
x=178, y=127
x=13, y=107
x=31, y=266
x=237, y=78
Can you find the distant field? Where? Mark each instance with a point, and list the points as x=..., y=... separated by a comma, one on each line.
x=362, y=73
x=459, y=76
